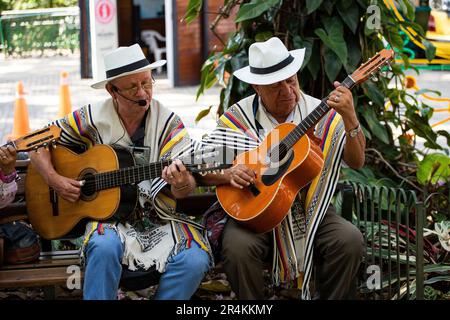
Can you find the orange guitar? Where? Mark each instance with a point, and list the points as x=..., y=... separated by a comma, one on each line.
x=286, y=161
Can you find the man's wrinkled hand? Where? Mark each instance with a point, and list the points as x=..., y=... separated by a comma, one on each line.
x=241, y=176
x=66, y=188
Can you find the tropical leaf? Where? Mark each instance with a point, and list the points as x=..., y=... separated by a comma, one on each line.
x=377, y=129
x=433, y=168
x=332, y=64
x=308, y=44
x=430, y=49
x=192, y=11
x=202, y=114
x=333, y=37
x=437, y=279
x=254, y=9
x=349, y=15
x=312, y=5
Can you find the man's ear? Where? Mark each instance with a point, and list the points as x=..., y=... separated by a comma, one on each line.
x=110, y=88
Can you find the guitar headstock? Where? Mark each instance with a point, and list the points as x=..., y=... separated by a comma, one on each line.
x=373, y=65
x=41, y=138
x=209, y=160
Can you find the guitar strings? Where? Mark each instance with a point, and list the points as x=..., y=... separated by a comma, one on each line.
x=300, y=129
x=106, y=180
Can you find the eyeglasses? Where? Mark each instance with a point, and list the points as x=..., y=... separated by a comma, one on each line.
x=290, y=81
x=133, y=90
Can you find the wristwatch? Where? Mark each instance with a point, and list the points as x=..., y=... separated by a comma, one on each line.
x=354, y=132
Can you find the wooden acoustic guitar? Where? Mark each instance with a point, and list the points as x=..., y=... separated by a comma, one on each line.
x=41, y=138
x=111, y=177
x=285, y=162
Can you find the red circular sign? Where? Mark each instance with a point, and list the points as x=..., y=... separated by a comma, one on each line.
x=104, y=11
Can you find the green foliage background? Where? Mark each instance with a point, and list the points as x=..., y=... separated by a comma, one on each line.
x=338, y=36
x=35, y=4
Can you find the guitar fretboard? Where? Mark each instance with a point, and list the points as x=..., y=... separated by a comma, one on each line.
x=312, y=119
x=130, y=175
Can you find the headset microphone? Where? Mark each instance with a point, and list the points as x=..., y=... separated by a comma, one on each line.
x=141, y=103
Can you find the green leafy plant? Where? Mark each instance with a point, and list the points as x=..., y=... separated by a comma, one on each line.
x=26, y=34
x=338, y=36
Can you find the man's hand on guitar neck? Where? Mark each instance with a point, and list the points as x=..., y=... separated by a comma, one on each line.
x=66, y=188
x=181, y=181
x=7, y=159
x=341, y=99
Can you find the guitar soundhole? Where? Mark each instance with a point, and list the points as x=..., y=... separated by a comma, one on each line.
x=278, y=153
x=88, y=191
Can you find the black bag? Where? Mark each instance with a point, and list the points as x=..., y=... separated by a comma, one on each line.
x=139, y=279
x=21, y=243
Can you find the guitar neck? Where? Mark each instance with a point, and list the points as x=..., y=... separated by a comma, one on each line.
x=313, y=118
x=130, y=175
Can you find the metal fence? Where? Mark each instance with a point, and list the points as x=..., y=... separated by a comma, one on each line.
x=392, y=222
x=39, y=32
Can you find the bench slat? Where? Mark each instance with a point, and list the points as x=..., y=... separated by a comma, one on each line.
x=60, y=253
x=34, y=277
x=46, y=263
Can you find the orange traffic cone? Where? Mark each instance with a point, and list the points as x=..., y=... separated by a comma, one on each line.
x=21, y=124
x=65, y=106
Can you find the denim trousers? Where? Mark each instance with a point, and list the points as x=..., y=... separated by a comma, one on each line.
x=184, y=271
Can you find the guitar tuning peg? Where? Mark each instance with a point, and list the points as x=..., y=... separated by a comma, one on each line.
x=389, y=65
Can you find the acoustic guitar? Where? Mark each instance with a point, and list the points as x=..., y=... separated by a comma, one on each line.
x=285, y=162
x=41, y=138
x=110, y=176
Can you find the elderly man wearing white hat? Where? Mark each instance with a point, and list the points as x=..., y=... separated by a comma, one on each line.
x=154, y=235
x=312, y=224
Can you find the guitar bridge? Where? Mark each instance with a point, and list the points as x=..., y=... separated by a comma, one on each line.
x=254, y=190
x=54, y=202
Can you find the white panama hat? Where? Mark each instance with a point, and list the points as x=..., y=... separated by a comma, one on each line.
x=124, y=61
x=270, y=62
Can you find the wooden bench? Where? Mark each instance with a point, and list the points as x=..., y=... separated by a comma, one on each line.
x=51, y=269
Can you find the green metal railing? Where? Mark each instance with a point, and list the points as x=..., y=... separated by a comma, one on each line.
x=25, y=32
x=392, y=222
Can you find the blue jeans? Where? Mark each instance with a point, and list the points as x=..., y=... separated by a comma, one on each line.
x=184, y=272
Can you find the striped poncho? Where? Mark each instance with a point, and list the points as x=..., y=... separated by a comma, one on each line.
x=170, y=232
x=243, y=127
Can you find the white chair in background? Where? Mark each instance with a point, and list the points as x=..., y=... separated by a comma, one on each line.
x=151, y=37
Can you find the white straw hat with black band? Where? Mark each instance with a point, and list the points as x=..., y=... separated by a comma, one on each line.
x=124, y=61
x=270, y=62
